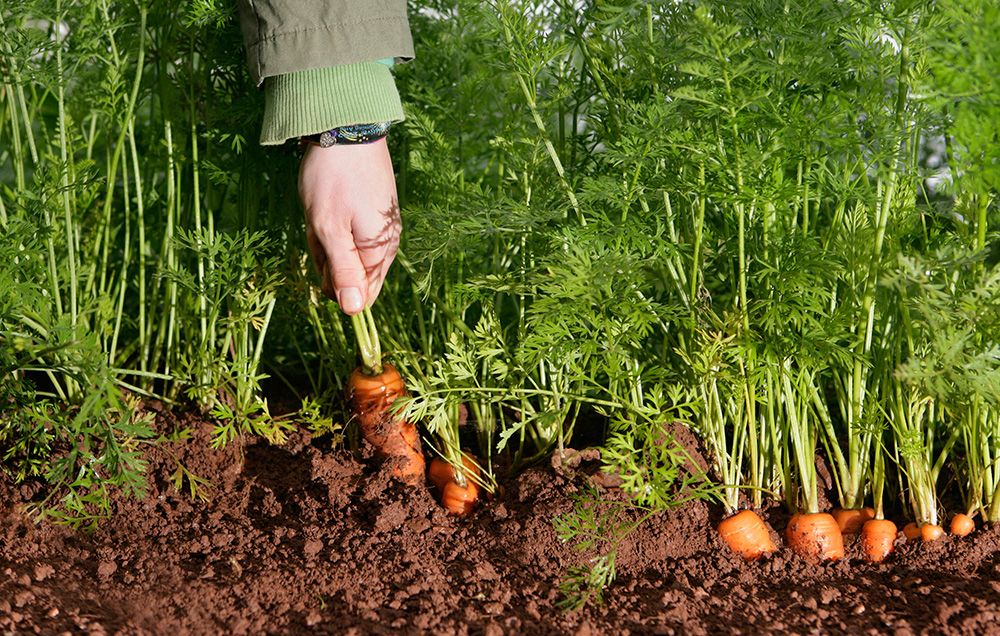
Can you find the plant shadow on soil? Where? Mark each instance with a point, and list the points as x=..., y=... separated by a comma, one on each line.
x=303, y=539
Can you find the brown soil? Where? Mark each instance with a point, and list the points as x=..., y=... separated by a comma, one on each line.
x=302, y=539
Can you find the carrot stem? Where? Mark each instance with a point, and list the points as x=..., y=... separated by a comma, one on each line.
x=369, y=346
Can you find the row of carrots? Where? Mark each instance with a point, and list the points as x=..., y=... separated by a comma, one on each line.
x=821, y=535
x=374, y=386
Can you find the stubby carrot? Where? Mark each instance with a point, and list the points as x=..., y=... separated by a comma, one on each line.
x=815, y=535
x=931, y=532
x=962, y=525
x=877, y=539
x=746, y=534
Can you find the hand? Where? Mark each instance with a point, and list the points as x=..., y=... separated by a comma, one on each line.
x=349, y=194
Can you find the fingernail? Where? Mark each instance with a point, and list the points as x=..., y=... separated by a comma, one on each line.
x=350, y=299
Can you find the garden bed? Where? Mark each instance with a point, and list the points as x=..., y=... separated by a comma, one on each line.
x=305, y=539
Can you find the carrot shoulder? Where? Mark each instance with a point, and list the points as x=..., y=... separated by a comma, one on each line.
x=851, y=520
x=815, y=535
x=962, y=525
x=747, y=535
x=878, y=536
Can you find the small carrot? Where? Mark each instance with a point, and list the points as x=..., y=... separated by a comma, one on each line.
x=931, y=532
x=962, y=525
x=370, y=396
x=459, y=493
x=911, y=531
x=815, y=535
x=851, y=520
x=746, y=534
x=877, y=539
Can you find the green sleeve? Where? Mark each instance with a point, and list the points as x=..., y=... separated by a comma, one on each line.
x=287, y=36
x=312, y=101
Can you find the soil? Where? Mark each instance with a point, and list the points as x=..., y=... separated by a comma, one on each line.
x=305, y=539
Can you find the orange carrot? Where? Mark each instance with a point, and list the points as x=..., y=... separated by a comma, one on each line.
x=370, y=397
x=815, y=535
x=456, y=498
x=440, y=473
x=911, y=531
x=930, y=532
x=877, y=539
x=851, y=520
x=962, y=525
x=746, y=534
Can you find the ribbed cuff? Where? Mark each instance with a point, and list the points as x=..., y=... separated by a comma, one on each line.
x=313, y=101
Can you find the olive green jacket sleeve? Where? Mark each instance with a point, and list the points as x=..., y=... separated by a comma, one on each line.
x=284, y=36
x=319, y=62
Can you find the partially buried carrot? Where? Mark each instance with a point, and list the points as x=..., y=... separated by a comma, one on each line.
x=911, y=531
x=746, y=534
x=877, y=539
x=851, y=520
x=459, y=493
x=962, y=525
x=394, y=438
x=931, y=532
x=815, y=535
x=371, y=390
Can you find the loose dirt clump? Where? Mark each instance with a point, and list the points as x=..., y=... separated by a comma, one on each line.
x=302, y=539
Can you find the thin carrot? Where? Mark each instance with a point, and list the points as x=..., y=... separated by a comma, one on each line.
x=459, y=491
x=962, y=525
x=851, y=520
x=815, y=535
x=747, y=535
x=877, y=539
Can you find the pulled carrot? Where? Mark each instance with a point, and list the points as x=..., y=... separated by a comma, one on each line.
x=815, y=535
x=931, y=532
x=370, y=396
x=746, y=534
x=851, y=520
x=457, y=498
x=877, y=539
x=962, y=525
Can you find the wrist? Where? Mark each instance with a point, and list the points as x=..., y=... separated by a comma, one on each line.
x=350, y=135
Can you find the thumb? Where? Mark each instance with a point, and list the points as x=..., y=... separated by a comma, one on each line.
x=344, y=276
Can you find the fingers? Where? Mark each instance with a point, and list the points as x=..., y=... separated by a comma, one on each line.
x=345, y=277
x=349, y=196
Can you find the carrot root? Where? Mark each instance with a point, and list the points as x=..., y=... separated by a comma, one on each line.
x=962, y=525
x=747, y=535
x=911, y=531
x=877, y=539
x=815, y=535
x=930, y=532
x=456, y=498
x=398, y=440
x=851, y=520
